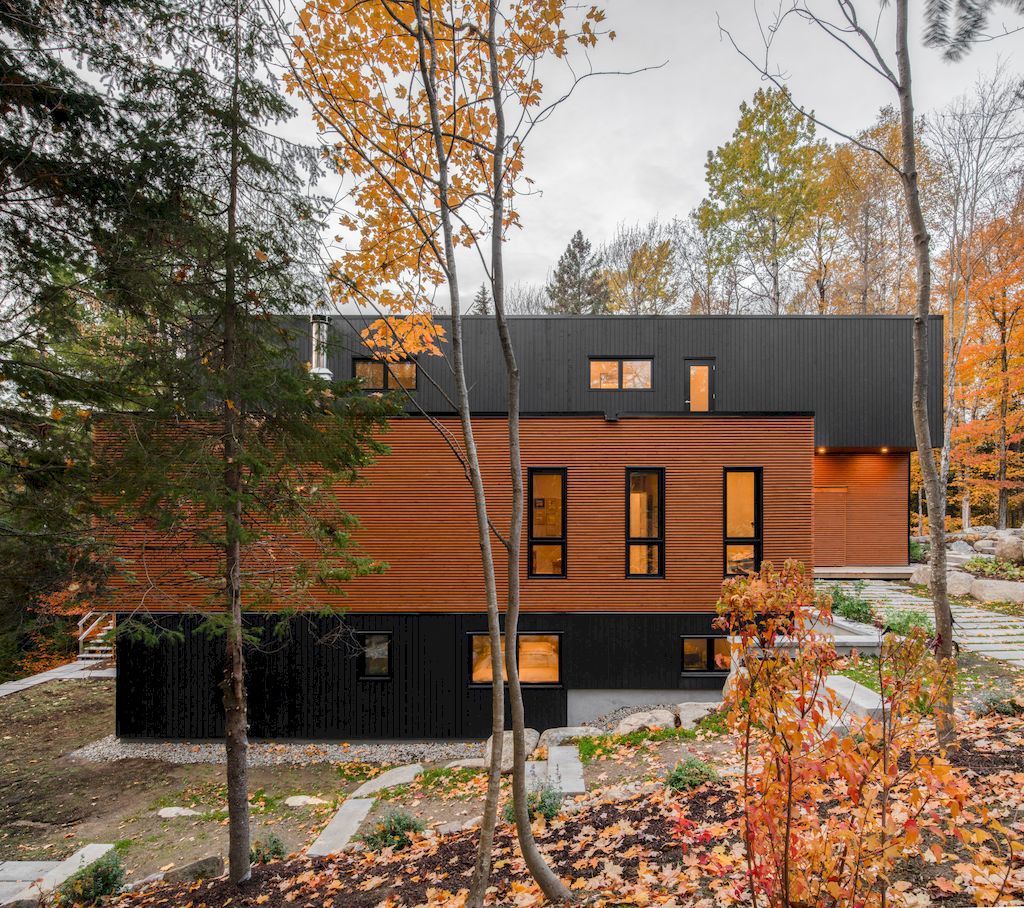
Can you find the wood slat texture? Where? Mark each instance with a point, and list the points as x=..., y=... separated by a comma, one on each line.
x=874, y=519
x=416, y=512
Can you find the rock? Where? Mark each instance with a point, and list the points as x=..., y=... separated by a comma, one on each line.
x=203, y=869
x=691, y=713
x=449, y=828
x=655, y=718
x=468, y=763
x=136, y=885
x=475, y=821
x=958, y=583
x=552, y=737
x=961, y=548
x=988, y=546
x=169, y=813
x=985, y=590
x=1009, y=548
x=983, y=529
x=531, y=737
x=921, y=575
x=303, y=801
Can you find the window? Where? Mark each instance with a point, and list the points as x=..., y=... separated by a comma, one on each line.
x=645, y=523
x=742, y=530
x=620, y=374
x=318, y=333
x=706, y=654
x=540, y=659
x=700, y=385
x=546, y=526
x=378, y=375
x=375, y=656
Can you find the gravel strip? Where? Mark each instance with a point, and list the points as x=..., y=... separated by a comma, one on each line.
x=111, y=749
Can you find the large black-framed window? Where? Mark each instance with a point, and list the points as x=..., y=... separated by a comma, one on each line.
x=546, y=536
x=540, y=658
x=621, y=373
x=742, y=520
x=375, y=662
x=645, y=522
x=700, y=385
x=701, y=654
x=378, y=375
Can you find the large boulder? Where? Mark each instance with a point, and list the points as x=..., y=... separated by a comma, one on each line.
x=1009, y=548
x=691, y=713
x=986, y=590
x=961, y=547
x=650, y=719
x=552, y=737
x=530, y=735
x=985, y=546
x=203, y=869
x=983, y=529
x=958, y=583
x=921, y=575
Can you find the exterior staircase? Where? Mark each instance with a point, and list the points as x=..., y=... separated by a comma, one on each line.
x=95, y=636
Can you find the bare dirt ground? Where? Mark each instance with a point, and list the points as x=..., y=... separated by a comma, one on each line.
x=51, y=805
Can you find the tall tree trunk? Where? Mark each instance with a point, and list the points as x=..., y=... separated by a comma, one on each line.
x=236, y=730
x=1004, y=413
x=776, y=284
x=864, y=259
x=965, y=510
x=936, y=493
x=552, y=887
x=428, y=72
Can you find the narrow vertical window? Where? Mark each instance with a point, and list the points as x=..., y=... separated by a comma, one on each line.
x=700, y=390
x=318, y=355
x=546, y=525
x=645, y=523
x=375, y=656
x=742, y=520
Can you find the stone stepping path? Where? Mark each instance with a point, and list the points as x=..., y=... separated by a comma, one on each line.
x=400, y=775
x=344, y=824
x=28, y=880
x=80, y=670
x=980, y=630
x=562, y=770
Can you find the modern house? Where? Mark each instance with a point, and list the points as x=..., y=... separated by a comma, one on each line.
x=660, y=455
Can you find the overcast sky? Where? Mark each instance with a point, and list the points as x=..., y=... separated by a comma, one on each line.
x=628, y=148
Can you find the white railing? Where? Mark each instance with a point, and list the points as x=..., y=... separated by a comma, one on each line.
x=90, y=625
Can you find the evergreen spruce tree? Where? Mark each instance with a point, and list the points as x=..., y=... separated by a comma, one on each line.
x=577, y=286
x=229, y=447
x=482, y=303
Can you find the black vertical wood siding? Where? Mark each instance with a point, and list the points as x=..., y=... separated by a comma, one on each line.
x=854, y=373
x=304, y=685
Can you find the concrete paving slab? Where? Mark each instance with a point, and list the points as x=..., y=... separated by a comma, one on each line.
x=59, y=872
x=26, y=871
x=343, y=826
x=565, y=771
x=400, y=775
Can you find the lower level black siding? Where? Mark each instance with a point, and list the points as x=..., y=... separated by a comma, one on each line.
x=303, y=682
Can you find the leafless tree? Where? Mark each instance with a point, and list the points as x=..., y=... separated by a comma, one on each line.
x=640, y=269
x=526, y=299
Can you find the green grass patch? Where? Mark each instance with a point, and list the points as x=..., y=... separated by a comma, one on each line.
x=440, y=782
x=903, y=621
x=716, y=723
x=598, y=747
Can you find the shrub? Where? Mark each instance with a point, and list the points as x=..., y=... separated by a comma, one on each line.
x=690, y=773
x=544, y=802
x=903, y=621
x=393, y=831
x=93, y=882
x=270, y=848
x=918, y=552
x=851, y=604
x=989, y=567
x=1001, y=705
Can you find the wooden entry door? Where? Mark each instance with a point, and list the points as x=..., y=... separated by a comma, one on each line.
x=830, y=526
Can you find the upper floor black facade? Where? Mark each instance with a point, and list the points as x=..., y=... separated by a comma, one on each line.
x=854, y=373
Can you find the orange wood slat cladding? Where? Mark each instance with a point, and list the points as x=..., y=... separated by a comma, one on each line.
x=876, y=510
x=416, y=513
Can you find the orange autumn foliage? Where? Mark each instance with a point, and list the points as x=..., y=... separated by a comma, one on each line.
x=895, y=797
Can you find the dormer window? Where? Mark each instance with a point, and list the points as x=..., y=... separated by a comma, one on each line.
x=378, y=375
x=319, y=327
x=620, y=374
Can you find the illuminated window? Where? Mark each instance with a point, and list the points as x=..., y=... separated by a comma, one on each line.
x=375, y=656
x=377, y=375
x=645, y=523
x=539, y=659
x=742, y=529
x=700, y=393
x=706, y=654
x=620, y=374
x=546, y=525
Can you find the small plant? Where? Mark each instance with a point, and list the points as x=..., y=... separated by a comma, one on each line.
x=1001, y=705
x=394, y=830
x=267, y=849
x=852, y=604
x=544, y=802
x=93, y=882
x=918, y=552
x=989, y=567
x=690, y=773
x=903, y=621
